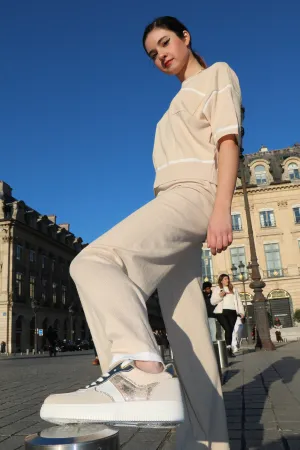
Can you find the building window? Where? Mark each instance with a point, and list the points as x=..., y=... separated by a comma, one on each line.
x=32, y=287
x=19, y=284
x=297, y=214
x=260, y=174
x=19, y=252
x=44, y=261
x=267, y=219
x=207, y=267
x=44, y=290
x=238, y=255
x=293, y=171
x=53, y=265
x=32, y=256
x=273, y=260
x=54, y=293
x=236, y=222
x=64, y=294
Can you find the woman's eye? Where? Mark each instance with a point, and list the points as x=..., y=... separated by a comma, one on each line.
x=153, y=56
x=165, y=43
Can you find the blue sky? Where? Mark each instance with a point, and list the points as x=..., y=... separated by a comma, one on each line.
x=79, y=99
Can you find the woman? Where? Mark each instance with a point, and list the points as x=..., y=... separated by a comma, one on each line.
x=159, y=246
x=229, y=307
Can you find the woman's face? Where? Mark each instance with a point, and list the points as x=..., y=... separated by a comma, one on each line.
x=225, y=281
x=169, y=53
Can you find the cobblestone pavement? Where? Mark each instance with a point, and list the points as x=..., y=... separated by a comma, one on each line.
x=261, y=390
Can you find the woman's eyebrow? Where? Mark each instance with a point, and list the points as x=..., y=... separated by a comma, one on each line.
x=158, y=42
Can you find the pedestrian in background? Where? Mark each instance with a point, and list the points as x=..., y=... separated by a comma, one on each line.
x=196, y=157
x=228, y=306
x=207, y=293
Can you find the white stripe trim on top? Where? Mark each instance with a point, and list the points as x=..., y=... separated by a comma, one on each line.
x=229, y=86
x=230, y=127
x=178, y=161
x=195, y=91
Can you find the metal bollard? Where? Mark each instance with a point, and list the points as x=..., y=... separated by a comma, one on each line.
x=216, y=348
x=223, y=354
x=74, y=437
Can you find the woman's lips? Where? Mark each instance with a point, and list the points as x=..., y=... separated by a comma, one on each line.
x=168, y=63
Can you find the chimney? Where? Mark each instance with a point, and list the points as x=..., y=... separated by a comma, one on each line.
x=5, y=190
x=66, y=226
x=52, y=218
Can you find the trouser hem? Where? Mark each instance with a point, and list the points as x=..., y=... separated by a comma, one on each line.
x=143, y=356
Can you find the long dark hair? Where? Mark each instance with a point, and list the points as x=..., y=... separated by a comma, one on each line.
x=172, y=24
x=221, y=278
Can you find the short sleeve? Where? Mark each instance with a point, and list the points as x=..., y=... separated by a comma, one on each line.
x=223, y=105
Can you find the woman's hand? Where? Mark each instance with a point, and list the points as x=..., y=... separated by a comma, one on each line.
x=222, y=294
x=219, y=233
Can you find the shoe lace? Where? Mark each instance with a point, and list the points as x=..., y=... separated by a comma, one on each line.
x=106, y=375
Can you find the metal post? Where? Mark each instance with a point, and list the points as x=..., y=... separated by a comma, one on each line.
x=74, y=437
x=35, y=307
x=35, y=332
x=71, y=326
x=257, y=284
x=216, y=349
x=71, y=311
x=249, y=335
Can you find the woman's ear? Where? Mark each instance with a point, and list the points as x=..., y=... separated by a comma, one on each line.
x=186, y=38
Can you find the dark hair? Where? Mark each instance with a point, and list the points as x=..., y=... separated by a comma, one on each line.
x=206, y=284
x=172, y=24
x=221, y=278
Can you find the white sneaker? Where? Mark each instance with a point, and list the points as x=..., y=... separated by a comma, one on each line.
x=123, y=396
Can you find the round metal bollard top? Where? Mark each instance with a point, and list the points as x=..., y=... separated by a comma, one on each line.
x=74, y=437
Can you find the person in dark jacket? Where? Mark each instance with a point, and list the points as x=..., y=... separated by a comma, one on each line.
x=207, y=292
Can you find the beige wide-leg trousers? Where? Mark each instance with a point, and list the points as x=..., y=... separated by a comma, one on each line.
x=158, y=246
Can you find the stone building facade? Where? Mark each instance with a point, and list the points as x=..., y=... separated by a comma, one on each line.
x=36, y=291
x=273, y=179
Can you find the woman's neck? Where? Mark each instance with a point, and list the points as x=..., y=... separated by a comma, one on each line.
x=191, y=69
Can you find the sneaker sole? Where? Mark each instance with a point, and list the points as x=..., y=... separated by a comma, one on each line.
x=152, y=413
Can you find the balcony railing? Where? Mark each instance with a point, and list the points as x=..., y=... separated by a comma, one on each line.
x=236, y=279
x=268, y=224
x=275, y=273
x=237, y=228
x=239, y=278
x=212, y=278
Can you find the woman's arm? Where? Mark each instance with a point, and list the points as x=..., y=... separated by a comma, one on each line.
x=215, y=297
x=219, y=233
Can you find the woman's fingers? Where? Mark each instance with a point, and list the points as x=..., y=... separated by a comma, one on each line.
x=218, y=242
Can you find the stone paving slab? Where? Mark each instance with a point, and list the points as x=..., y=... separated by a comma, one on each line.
x=261, y=392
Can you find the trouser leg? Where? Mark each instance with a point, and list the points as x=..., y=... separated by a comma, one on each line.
x=185, y=316
x=223, y=320
x=116, y=273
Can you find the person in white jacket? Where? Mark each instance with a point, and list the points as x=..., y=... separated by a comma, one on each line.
x=228, y=307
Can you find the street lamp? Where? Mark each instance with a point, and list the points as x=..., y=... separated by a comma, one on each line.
x=72, y=312
x=263, y=339
x=35, y=308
